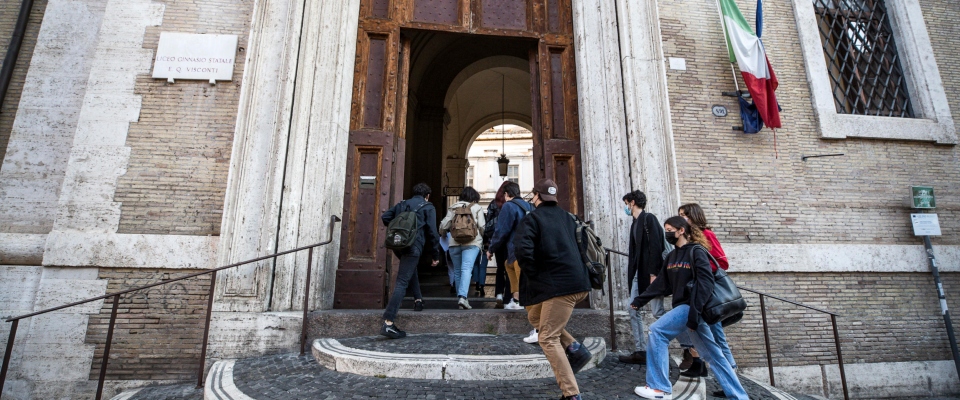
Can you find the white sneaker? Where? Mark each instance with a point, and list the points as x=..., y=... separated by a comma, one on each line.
x=647, y=393
x=464, y=304
x=512, y=305
x=533, y=338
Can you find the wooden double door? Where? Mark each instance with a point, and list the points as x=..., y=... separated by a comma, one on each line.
x=378, y=131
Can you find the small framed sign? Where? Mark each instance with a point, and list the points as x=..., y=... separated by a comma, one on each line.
x=195, y=56
x=922, y=197
x=925, y=224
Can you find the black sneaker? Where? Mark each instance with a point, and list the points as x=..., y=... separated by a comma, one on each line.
x=579, y=358
x=392, y=331
x=720, y=394
x=698, y=369
x=418, y=305
x=637, y=357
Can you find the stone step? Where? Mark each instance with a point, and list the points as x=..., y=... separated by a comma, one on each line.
x=292, y=376
x=455, y=366
x=339, y=324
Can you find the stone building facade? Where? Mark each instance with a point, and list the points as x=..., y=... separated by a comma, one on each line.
x=111, y=179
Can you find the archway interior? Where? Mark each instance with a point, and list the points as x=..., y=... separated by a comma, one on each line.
x=483, y=173
x=459, y=86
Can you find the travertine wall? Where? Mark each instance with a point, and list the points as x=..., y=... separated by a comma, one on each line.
x=180, y=148
x=9, y=12
x=751, y=194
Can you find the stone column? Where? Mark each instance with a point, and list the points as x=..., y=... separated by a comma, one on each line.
x=252, y=202
x=603, y=138
x=317, y=151
x=626, y=138
x=653, y=166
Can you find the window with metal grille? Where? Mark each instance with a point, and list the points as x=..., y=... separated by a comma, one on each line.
x=862, y=58
x=469, y=176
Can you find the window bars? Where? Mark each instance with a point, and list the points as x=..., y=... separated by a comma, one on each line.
x=862, y=58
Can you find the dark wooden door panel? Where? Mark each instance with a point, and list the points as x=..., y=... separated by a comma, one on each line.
x=359, y=289
x=441, y=12
x=504, y=14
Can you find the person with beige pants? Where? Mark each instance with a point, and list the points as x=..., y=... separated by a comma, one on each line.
x=553, y=279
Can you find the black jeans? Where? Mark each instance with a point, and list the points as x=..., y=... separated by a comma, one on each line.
x=501, y=283
x=406, y=277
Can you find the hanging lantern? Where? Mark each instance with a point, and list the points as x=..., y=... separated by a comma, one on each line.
x=502, y=164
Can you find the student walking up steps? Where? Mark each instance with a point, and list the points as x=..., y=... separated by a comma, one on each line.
x=419, y=224
x=553, y=280
x=689, y=263
x=467, y=238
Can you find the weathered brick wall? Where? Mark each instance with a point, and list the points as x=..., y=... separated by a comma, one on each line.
x=750, y=194
x=9, y=12
x=180, y=148
x=159, y=331
x=885, y=317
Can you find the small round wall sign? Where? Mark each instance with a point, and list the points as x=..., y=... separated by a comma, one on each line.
x=719, y=111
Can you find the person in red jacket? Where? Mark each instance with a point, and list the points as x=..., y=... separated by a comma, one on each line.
x=696, y=217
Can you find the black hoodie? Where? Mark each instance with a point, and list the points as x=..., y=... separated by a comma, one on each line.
x=677, y=278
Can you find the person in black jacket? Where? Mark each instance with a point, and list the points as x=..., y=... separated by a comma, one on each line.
x=645, y=258
x=686, y=275
x=426, y=243
x=553, y=279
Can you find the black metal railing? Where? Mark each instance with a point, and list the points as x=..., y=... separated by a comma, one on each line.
x=763, y=316
x=206, y=328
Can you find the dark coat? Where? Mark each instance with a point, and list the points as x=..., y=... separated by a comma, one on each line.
x=508, y=221
x=645, y=250
x=686, y=275
x=428, y=241
x=550, y=262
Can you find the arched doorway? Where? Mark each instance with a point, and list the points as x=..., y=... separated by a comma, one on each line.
x=428, y=75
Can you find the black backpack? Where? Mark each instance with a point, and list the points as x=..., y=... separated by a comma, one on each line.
x=403, y=229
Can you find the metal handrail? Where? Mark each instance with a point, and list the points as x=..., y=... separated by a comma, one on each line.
x=206, y=328
x=763, y=314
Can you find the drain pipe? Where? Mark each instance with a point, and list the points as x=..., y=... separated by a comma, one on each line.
x=13, y=51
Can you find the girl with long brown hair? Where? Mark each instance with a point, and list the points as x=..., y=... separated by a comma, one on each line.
x=685, y=275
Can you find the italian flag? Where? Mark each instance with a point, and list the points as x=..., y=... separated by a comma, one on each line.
x=747, y=51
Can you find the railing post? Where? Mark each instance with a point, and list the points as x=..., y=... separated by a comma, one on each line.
x=206, y=331
x=6, y=356
x=106, y=348
x=306, y=303
x=766, y=340
x=836, y=339
x=613, y=327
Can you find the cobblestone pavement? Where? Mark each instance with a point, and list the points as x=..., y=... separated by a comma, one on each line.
x=291, y=376
x=186, y=391
x=465, y=344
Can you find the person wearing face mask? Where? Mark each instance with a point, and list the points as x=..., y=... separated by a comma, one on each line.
x=696, y=217
x=645, y=258
x=686, y=276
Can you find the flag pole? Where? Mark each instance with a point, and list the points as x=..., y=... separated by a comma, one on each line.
x=723, y=26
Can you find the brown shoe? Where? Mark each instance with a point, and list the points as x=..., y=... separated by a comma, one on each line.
x=637, y=357
x=687, y=360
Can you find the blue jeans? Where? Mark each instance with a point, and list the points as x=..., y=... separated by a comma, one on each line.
x=668, y=327
x=406, y=278
x=636, y=316
x=463, y=259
